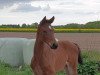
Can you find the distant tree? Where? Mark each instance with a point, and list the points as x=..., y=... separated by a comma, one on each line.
x=95, y=24
x=73, y=25
x=34, y=25
x=28, y=26
x=18, y=25
x=24, y=25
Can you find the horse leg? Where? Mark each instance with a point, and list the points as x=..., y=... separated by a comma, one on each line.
x=71, y=68
x=66, y=69
x=48, y=71
x=37, y=70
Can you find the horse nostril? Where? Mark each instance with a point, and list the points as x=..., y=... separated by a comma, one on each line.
x=54, y=46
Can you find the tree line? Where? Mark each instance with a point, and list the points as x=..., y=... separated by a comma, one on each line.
x=89, y=25
x=24, y=25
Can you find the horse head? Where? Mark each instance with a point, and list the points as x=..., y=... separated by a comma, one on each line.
x=46, y=32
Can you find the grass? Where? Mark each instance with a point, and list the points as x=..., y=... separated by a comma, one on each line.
x=6, y=69
x=56, y=30
x=98, y=74
x=92, y=55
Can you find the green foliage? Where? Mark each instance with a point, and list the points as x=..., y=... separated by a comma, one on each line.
x=88, y=68
x=24, y=25
x=10, y=26
x=6, y=69
x=95, y=24
x=91, y=55
x=74, y=25
x=89, y=25
x=98, y=65
x=90, y=65
x=34, y=25
x=61, y=73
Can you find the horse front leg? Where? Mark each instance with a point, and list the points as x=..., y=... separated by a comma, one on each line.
x=71, y=68
x=48, y=70
x=67, y=71
x=37, y=70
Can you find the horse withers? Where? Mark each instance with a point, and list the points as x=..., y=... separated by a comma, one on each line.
x=51, y=55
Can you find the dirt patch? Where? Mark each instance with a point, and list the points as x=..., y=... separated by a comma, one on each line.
x=86, y=41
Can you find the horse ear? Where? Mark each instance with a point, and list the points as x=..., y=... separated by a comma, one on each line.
x=51, y=20
x=43, y=20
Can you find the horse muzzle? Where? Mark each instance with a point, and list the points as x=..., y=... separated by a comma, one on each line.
x=54, y=46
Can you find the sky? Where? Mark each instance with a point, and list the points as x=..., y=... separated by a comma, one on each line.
x=65, y=11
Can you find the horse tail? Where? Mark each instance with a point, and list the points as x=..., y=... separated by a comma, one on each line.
x=80, y=60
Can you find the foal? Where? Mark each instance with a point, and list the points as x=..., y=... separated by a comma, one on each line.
x=50, y=55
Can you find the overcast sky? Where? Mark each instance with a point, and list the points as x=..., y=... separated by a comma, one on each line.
x=65, y=11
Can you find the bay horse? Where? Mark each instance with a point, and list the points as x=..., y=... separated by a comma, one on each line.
x=51, y=55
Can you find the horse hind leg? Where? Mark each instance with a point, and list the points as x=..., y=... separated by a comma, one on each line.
x=71, y=69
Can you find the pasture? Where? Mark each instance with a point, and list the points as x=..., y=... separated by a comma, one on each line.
x=89, y=43
x=6, y=69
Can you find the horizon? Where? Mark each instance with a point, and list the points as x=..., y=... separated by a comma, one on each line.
x=65, y=11
x=39, y=22
x=51, y=24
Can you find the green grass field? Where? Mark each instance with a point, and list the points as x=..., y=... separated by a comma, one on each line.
x=6, y=69
x=92, y=55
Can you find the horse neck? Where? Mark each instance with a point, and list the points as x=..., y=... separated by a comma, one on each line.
x=38, y=44
x=38, y=48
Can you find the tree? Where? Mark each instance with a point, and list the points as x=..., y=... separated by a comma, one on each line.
x=95, y=24
x=24, y=25
x=34, y=25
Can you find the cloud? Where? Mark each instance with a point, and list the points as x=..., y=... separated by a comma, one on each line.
x=87, y=13
x=71, y=3
x=65, y=10
x=55, y=12
x=46, y=8
x=7, y=3
x=26, y=8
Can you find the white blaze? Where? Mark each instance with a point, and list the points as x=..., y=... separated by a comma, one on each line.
x=57, y=40
x=50, y=27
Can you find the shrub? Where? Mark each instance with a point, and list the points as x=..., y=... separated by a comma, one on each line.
x=88, y=67
x=98, y=65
